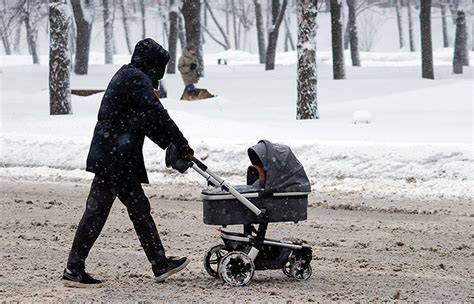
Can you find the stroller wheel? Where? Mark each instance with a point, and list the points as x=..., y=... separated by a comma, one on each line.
x=300, y=271
x=287, y=270
x=212, y=259
x=236, y=268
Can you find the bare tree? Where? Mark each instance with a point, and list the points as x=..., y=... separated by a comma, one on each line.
x=277, y=17
x=260, y=30
x=444, y=23
x=460, y=44
x=126, y=26
x=83, y=15
x=225, y=44
x=307, y=104
x=108, y=33
x=338, y=67
x=353, y=34
x=398, y=10
x=59, y=59
x=411, y=35
x=173, y=36
x=426, y=43
x=192, y=22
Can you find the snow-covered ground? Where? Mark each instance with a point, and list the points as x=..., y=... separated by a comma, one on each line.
x=418, y=142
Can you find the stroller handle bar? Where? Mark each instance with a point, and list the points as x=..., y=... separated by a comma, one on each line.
x=210, y=176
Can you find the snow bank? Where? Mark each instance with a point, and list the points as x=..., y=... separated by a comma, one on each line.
x=420, y=144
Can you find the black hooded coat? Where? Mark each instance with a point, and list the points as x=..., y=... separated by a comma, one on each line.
x=130, y=111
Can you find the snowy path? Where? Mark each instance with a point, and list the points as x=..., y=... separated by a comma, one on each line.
x=359, y=255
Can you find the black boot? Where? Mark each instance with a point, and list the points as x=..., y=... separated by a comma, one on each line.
x=172, y=266
x=79, y=279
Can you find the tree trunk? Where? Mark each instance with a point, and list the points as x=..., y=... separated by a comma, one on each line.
x=142, y=11
x=234, y=23
x=31, y=32
x=260, y=30
x=173, y=36
x=192, y=23
x=398, y=9
x=273, y=37
x=126, y=26
x=181, y=35
x=288, y=37
x=59, y=59
x=307, y=104
x=16, y=42
x=347, y=35
x=338, y=67
x=108, y=33
x=444, y=22
x=426, y=43
x=5, y=39
x=460, y=43
x=227, y=17
x=353, y=34
x=410, y=26
x=83, y=18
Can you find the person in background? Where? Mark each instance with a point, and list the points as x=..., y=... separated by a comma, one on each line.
x=188, y=66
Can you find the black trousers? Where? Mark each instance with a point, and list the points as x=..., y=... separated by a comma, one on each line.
x=99, y=202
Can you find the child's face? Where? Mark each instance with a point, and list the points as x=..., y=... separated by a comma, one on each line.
x=192, y=51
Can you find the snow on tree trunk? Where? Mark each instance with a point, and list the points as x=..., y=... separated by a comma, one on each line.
x=59, y=59
x=173, y=36
x=353, y=34
x=126, y=26
x=260, y=30
x=108, y=33
x=444, y=23
x=411, y=34
x=426, y=43
x=398, y=9
x=16, y=43
x=460, y=43
x=337, y=43
x=273, y=36
x=192, y=23
x=307, y=104
x=83, y=15
x=142, y=11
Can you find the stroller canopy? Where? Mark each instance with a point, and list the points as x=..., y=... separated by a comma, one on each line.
x=284, y=173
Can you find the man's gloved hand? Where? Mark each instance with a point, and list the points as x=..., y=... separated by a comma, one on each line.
x=184, y=150
x=192, y=66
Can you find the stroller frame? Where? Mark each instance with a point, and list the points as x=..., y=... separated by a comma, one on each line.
x=243, y=253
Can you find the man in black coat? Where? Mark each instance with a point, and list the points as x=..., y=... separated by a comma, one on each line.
x=129, y=111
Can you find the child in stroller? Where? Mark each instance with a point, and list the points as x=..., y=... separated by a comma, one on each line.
x=277, y=191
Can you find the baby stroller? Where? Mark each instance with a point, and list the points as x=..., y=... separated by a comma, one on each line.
x=277, y=191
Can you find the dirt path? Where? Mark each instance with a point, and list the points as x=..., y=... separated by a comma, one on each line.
x=386, y=254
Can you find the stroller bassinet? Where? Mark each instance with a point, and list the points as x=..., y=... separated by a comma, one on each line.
x=281, y=189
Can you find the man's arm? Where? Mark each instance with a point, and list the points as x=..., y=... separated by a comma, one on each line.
x=159, y=126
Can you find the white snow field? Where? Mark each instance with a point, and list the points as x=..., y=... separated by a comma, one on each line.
x=418, y=144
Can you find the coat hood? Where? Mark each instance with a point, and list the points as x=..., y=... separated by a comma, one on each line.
x=151, y=58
